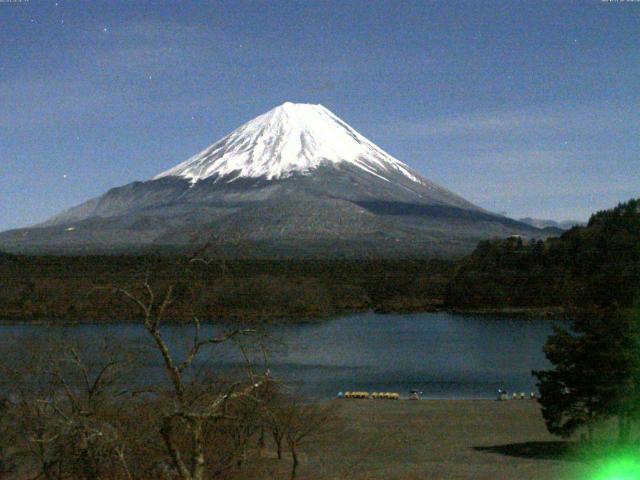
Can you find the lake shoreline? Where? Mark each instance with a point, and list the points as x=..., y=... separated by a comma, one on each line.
x=442, y=355
x=522, y=313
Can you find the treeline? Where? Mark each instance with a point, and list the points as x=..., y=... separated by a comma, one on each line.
x=593, y=274
x=595, y=266
x=76, y=288
x=595, y=374
x=586, y=268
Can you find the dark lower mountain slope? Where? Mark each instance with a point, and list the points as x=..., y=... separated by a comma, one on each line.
x=289, y=217
x=294, y=181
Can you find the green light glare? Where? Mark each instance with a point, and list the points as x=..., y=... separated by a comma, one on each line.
x=618, y=467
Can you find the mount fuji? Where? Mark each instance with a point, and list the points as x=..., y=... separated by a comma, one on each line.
x=296, y=180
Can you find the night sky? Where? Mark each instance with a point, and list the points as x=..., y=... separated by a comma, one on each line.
x=525, y=108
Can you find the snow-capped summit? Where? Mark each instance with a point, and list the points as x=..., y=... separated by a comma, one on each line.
x=291, y=138
x=296, y=180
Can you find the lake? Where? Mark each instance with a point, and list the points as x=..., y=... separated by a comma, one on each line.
x=443, y=355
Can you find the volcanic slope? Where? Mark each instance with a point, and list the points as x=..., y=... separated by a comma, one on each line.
x=296, y=180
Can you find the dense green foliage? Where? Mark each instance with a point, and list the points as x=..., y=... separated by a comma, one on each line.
x=596, y=364
x=592, y=267
x=595, y=375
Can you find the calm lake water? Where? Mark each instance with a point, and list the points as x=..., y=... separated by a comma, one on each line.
x=443, y=355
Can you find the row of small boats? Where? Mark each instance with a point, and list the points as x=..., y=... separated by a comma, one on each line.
x=414, y=395
x=374, y=395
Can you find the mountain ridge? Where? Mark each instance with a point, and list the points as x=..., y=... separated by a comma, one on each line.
x=297, y=174
x=549, y=223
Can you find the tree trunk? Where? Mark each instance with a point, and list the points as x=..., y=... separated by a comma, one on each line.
x=198, y=451
x=87, y=465
x=623, y=428
x=167, y=435
x=242, y=457
x=48, y=470
x=124, y=464
x=278, y=441
x=294, y=457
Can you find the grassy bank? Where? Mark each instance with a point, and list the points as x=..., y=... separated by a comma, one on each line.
x=442, y=439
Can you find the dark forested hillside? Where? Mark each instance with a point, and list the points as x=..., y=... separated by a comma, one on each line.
x=71, y=287
x=593, y=266
x=596, y=266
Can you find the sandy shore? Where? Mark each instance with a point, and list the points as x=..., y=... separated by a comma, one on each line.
x=441, y=439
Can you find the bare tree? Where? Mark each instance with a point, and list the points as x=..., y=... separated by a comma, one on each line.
x=275, y=419
x=75, y=414
x=64, y=414
x=297, y=424
x=193, y=409
x=306, y=425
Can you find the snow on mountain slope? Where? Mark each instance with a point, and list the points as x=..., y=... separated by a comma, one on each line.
x=296, y=179
x=291, y=138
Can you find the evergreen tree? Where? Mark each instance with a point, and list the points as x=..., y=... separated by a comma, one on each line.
x=595, y=375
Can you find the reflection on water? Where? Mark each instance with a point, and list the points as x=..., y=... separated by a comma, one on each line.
x=443, y=355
